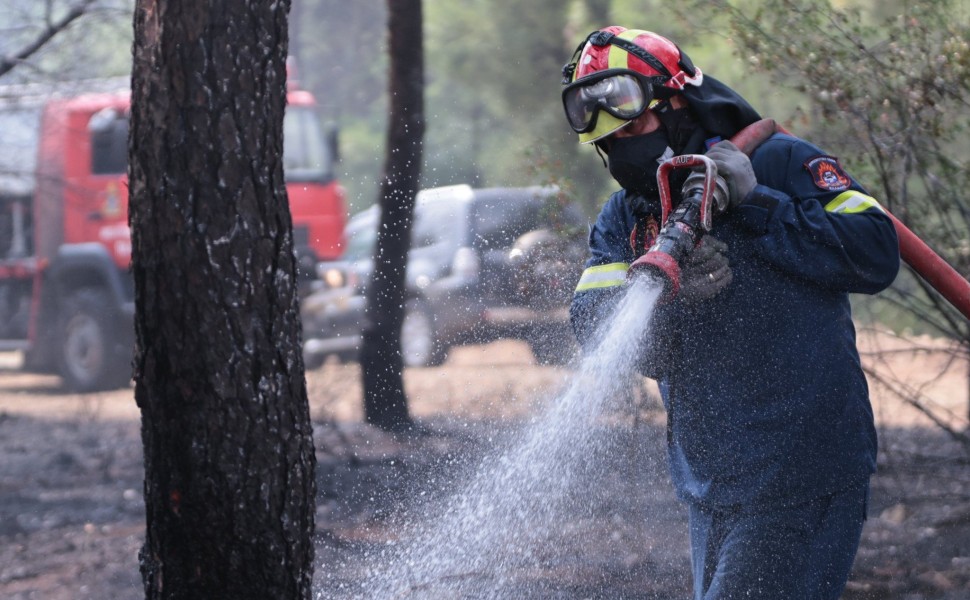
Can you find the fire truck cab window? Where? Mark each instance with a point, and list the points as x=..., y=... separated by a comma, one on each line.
x=109, y=142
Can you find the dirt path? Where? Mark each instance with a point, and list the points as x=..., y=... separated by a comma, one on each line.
x=71, y=511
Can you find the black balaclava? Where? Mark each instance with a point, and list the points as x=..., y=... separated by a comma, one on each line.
x=633, y=161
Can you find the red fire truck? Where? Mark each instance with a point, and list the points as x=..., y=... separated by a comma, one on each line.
x=66, y=296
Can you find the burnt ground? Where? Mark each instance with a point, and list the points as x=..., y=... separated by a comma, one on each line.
x=72, y=515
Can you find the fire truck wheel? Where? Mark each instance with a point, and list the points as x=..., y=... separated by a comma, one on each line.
x=91, y=355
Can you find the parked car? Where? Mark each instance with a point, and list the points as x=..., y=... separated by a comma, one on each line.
x=485, y=264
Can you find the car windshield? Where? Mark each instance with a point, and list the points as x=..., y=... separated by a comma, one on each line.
x=501, y=217
x=361, y=235
x=438, y=223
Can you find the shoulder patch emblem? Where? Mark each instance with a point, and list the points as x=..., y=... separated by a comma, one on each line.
x=828, y=174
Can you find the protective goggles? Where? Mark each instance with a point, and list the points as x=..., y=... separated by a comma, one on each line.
x=622, y=93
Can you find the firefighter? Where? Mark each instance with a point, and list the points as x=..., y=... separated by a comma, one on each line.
x=771, y=441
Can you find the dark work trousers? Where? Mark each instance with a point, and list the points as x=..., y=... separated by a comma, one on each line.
x=801, y=552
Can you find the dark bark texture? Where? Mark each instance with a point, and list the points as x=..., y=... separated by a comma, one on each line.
x=229, y=461
x=385, y=401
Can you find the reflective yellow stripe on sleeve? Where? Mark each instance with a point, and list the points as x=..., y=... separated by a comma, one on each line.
x=852, y=202
x=602, y=276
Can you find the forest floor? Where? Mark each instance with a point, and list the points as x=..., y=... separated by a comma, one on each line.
x=72, y=512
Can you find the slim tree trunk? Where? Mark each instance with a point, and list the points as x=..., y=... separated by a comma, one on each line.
x=385, y=402
x=229, y=461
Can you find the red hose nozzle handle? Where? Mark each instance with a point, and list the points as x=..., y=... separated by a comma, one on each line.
x=697, y=162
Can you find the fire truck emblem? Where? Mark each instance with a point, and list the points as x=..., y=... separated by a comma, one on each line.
x=828, y=174
x=111, y=207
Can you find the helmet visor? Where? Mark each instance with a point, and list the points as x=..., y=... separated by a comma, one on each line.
x=623, y=94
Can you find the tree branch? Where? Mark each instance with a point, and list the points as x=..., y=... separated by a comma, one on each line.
x=7, y=64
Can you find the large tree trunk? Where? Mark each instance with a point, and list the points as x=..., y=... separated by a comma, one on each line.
x=385, y=402
x=229, y=461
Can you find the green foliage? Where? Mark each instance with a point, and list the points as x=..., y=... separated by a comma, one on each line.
x=340, y=50
x=492, y=90
x=498, y=99
x=548, y=171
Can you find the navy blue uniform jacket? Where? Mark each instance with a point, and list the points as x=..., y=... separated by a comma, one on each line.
x=766, y=400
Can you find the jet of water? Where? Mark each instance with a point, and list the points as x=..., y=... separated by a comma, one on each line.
x=519, y=495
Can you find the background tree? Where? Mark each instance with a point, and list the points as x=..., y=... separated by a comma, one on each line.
x=229, y=460
x=382, y=366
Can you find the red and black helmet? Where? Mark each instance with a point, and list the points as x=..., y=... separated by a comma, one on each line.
x=616, y=74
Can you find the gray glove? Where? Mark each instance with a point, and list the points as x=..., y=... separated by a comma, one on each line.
x=735, y=167
x=707, y=271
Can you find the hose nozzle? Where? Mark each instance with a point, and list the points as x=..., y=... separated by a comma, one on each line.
x=673, y=245
x=660, y=267
x=704, y=193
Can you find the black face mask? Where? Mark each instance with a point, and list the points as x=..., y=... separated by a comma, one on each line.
x=680, y=126
x=633, y=161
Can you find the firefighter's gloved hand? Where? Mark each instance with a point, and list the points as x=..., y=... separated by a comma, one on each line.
x=707, y=271
x=735, y=167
